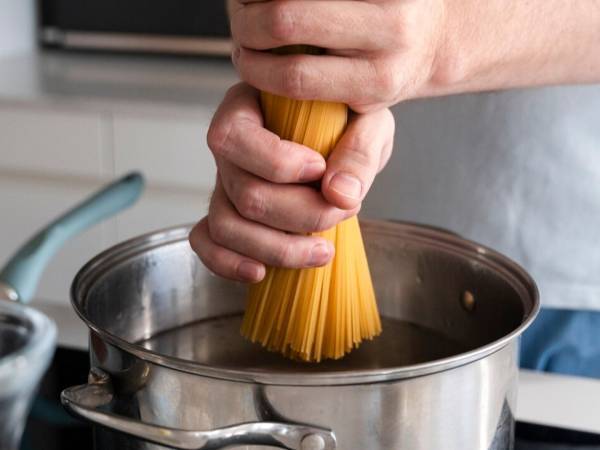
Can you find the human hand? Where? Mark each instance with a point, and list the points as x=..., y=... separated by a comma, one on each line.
x=259, y=200
x=378, y=52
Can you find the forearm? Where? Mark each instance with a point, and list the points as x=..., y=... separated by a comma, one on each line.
x=502, y=44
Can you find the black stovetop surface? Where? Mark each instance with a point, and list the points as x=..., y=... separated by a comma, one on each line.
x=540, y=437
x=50, y=428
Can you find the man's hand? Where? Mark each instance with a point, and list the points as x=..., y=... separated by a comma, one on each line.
x=378, y=51
x=260, y=197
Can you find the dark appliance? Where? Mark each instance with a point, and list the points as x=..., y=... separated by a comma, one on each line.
x=198, y=27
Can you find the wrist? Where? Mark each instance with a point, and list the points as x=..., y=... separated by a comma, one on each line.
x=453, y=53
x=500, y=44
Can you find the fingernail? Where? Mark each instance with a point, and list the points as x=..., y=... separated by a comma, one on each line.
x=346, y=184
x=249, y=271
x=319, y=255
x=313, y=170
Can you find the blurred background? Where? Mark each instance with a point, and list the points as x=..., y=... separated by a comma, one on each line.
x=90, y=90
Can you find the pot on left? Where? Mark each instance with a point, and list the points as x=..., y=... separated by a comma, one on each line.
x=28, y=337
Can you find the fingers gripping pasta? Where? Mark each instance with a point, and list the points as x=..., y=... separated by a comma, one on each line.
x=318, y=313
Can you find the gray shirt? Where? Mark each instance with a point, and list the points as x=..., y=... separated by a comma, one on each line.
x=518, y=171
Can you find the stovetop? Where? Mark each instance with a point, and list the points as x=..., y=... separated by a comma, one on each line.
x=540, y=437
x=50, y=428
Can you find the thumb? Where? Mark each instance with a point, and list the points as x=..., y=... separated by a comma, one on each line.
x=360, y=154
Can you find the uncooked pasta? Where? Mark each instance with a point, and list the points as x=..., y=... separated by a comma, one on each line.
x=317, y=313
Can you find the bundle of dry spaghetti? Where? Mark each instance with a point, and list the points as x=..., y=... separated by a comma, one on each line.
x=324, y=312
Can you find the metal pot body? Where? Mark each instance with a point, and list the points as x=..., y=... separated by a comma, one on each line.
x=468, y=407
x=194, y=390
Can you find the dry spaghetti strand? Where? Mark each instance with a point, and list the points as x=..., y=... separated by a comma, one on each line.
x=324, y=312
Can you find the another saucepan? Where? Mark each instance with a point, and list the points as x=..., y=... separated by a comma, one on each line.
x=27, y=337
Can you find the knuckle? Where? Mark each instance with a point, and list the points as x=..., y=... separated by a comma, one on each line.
x=388, y=82
x=235, y=90
x=194, y=238
x=200, y=244
x=220, y=228
x=358, y=150
x=217, y=263
x=209, y=259
x=226, y=132
x=326, y=219
x=284, y=255
x=218, y=138
x=280, y=168
x=251, y=202
x=398, y=28
x=294, y=77
x=280, y=22
x=398, y=24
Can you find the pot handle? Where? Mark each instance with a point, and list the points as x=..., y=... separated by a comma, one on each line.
x=20, y=276
x=84, y=401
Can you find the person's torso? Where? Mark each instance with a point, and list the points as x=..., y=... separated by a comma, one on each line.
x=518, y=171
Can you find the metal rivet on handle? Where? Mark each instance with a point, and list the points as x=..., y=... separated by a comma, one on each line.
x=312, y=442
x=8, y=293
x=468, y=301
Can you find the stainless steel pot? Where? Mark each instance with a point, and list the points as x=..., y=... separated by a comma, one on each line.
x=169, y=366
x=27, y=337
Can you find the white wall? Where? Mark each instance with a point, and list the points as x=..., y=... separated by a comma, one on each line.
x=17, y=26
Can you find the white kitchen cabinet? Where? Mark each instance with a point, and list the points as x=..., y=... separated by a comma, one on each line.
x=17, y=26
x=162, y=208
x=51, y=142
x=171, y=152
x=70, y=123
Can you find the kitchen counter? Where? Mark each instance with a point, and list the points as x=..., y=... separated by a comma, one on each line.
x=546, y=399
x=115, y=83
x=560, y=401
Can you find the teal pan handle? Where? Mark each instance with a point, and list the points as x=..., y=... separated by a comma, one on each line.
x=24, y=269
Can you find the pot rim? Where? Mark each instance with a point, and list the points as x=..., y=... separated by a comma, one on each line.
x=512, y=272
